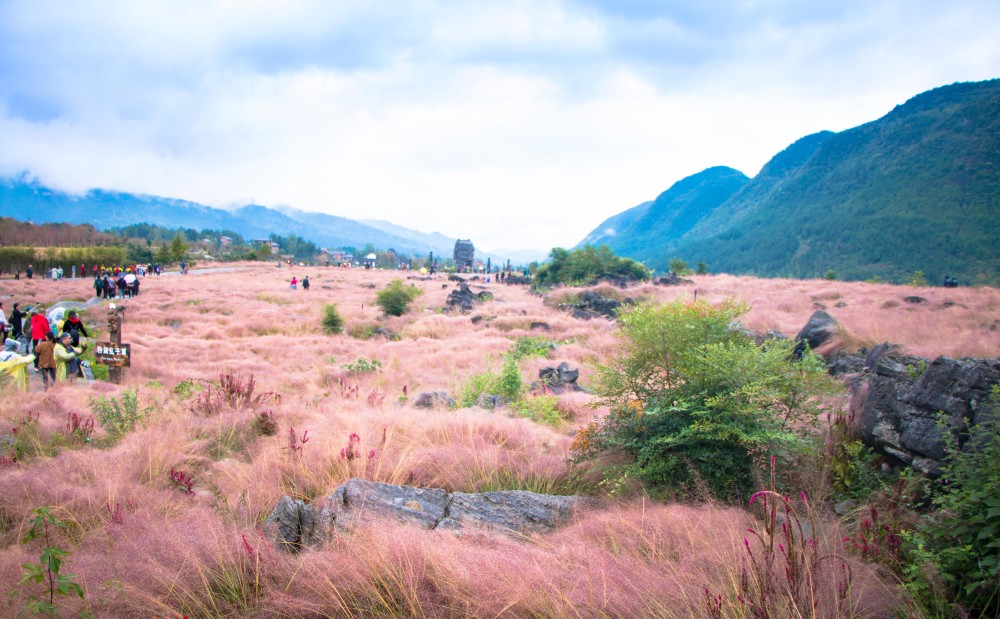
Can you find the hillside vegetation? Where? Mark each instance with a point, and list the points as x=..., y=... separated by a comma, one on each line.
x=916, y=190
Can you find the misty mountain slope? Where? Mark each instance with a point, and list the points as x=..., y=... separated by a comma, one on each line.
x=918, y=189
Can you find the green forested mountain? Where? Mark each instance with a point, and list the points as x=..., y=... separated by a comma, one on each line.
x=918, y=189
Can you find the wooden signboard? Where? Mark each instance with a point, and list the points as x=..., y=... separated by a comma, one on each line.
x=113, y=355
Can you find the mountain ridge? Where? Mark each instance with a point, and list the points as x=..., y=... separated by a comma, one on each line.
x=915, y=190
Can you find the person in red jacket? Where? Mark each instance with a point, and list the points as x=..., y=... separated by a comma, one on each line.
x=39, y=327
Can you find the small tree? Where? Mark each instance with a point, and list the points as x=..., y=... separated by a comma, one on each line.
x=178, y=248
x=395, y=298
x=678, y=266
x=701, y=268
x=333, y=322
x=692, y=399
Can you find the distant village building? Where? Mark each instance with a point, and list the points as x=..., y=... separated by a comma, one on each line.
x=465, y=254
x=275, y=248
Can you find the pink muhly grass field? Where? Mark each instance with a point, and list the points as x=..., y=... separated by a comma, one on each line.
x=142, y=545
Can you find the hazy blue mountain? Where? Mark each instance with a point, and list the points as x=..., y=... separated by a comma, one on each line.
x=28, y=200
x=918, y=189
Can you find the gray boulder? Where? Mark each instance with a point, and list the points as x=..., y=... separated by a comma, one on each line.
x=433, y=399
x=558, y=379
x=904, y=399
x=294, y=526
x=463, y=299
x=819, y=330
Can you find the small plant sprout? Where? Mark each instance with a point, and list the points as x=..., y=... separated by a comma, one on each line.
x=296, y=443
x=49, y=566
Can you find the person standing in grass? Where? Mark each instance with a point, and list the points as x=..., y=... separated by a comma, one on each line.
x=17, y=321
x=295, y=283
x=67, y=360
x=45, y=360
x=305, y=283
x=39, y=327
x=74, y=326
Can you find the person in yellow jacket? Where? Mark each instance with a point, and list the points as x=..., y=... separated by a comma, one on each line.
x=14, y=366
x=67, y=363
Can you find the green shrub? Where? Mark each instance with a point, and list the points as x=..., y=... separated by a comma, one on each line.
x=487, y=382
x=511, y=385
x=958, y=544
x=692, y=399
x=118, y=416
x=586, y=266
x=395, y=298
x=541, y=408
x=528, y=346
x=333, y=322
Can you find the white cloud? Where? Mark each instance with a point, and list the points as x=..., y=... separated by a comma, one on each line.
x=515, y=124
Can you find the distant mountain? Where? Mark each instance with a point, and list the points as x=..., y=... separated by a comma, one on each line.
x=916, y=190
x=611, y=228
x=27, y=200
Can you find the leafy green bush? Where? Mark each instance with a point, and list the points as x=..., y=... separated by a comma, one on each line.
x=958, y=544
x=363, y=366
x=541, y=408
x=333, y=322
x=118, y=416
x=528, y=346
x=510, y=386
x=586, y=266
x=476, y=385
x=693, y=399
x=395, y=298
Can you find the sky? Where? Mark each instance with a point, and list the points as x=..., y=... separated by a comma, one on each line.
x=515, y=124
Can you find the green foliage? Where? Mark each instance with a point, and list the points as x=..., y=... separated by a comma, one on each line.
x=395, y=298
x=587, y=266
x=678, y=266
x=18, y=258
x=917, y=369
x=177, y=248
x=48, y=570
x=541, y=409
x=830, y=274
x=363, y=366
x=692, y=399
x=478, y=384
x=958, y=542
x=918, y=279
x=507, y=384
x=510, y=386
x=118, y=416
x=333, y=322
x=701, y=268
x=529, y=346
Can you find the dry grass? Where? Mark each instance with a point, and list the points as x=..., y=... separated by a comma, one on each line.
x=168, y=553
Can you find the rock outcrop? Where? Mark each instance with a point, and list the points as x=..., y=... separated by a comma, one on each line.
x=820, y=329
x=463, y=299
x=595, y=305
x=433, y=399
x=903, y=402
x=559, y=379
x=293, y=525
x=671, y=280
